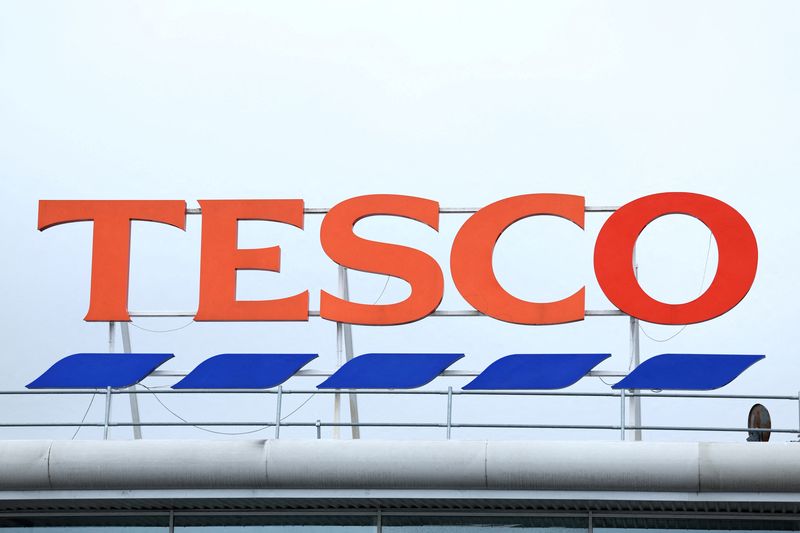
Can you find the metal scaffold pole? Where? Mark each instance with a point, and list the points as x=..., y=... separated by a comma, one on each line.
x=635, y=401
x=134, y=398
x=344, y=345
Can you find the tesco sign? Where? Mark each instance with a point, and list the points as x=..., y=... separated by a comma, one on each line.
x=470, y=257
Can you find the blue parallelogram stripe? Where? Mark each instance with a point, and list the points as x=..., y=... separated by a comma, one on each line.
x=99, y=370
x=390, y=370
x=687, y=371
x=536, y=371
x=244, y=371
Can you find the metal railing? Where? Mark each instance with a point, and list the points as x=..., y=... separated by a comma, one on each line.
x=447, y=424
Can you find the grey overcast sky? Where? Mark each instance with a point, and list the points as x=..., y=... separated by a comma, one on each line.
x=461, y=102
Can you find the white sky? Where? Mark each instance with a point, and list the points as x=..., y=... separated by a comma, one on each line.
x=464, y=103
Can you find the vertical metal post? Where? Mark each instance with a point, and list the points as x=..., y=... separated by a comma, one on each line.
x=319, y=429
x=133, y=398
x=379, y=521
x=344, y=346
x=635, y=402
x=111, y=337
x=172, y=521
x=347, y=330
x=337, y=398
x=107, y=417
x=278, y=413
x=622, y=414
x=589, y=525
x=798, y=412
x=449, y=410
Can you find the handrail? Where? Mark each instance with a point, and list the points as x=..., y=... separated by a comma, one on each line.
x=280, y=421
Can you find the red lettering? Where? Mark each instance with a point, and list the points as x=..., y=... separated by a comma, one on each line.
x=221, y=258
x=473, y=248
x=417, y=268
x=736, y=269
x=111, y=243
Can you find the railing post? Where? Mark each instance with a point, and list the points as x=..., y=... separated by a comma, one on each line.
x=278, y=413
x=622, y=414
x=449, y=410
x=107, y=417
x=319, y=429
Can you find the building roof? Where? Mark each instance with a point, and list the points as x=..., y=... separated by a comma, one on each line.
x=535, y=474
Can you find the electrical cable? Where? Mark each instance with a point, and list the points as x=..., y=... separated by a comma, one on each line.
x=383, y=290
x=91, y=401
x=137, y=326
x=702, y=282
x=299, y=406
x=665, y=339
x=179, y=417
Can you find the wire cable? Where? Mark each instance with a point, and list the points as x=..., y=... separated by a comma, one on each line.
x=702, y=282
x=91, y=401
x=137, y=326
x=383, y=290
x=179, y=417
x=299, y=406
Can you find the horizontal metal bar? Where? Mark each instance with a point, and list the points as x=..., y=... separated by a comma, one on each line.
x=397, y=392
x=442, y=210
x=315, y=423
x=316, y=313
x=713, y=429
x=607, y=373
x=393, y=392
x=712, y=396
x=604, y=312
x=312, y=372
x=600, y=208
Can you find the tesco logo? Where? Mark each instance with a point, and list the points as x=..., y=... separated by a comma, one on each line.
x=470, y=257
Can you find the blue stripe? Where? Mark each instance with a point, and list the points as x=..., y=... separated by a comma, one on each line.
x=390, y=370
x=99, y=370
x=244, y=371
x=687, y=371
x=536, y=371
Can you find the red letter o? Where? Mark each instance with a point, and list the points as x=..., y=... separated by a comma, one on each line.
x=738, y=257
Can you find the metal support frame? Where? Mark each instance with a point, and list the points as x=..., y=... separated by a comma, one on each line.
x=111, y=326
x=344, y=344
x=125, y=333
x=278, y=413
x=345, y=352
x=635, y=401
x=622, y=414
x=134, y=399
x=107, y=416
x=449, y=411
